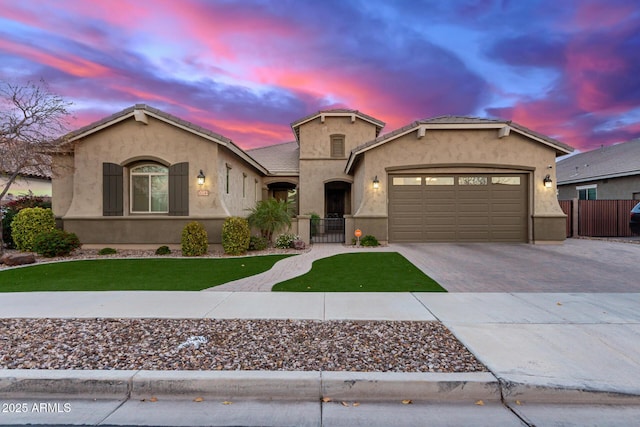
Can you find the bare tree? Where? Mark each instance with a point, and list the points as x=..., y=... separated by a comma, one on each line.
x=32, y=122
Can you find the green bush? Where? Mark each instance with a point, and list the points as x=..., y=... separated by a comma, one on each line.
x=286, y=240
x=107, y=251
x=258, y=243
x=163, y=250
x=367, y=240
x=270, y=216
x=28, y=224
x=315, y=222
x=55, y=243
x=236, y=235
x=194, y=239
x=12, y=208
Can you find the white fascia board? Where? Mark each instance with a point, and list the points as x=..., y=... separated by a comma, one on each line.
x=102, y=126
x=322, y=116
x=230, y=145
x=547, y=143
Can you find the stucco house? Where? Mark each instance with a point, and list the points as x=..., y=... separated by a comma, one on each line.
x=139, y=176
x=30, y=182
x=606, y=173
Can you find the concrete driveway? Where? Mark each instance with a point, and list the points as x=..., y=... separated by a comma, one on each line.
x=577, y=265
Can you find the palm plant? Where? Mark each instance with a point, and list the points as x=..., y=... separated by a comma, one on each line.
x=270, y=216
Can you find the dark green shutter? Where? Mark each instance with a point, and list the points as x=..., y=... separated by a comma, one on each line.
x=112, y=189
x=179, y=189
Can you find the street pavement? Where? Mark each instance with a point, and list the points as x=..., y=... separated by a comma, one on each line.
x=555, y=358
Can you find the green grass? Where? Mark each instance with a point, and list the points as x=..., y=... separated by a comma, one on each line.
x=134, y=274
x=362, y=272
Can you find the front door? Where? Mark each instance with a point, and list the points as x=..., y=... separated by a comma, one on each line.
x=334, y=203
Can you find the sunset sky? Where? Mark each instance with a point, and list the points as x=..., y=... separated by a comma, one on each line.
x=247, y=69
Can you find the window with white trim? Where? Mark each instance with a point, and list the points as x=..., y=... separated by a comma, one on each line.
x=587, y=192
x=149, y=189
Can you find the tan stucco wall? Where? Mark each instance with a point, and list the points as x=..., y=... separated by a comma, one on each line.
x=130, y=141
x=313, y=176
x=77, y=183
x=315, y=136
x=457, y=151
x=234, y=202
x=139, y=231
x=316, y=165
x=62, y=184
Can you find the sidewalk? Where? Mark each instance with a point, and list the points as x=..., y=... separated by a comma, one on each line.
x=570, y=357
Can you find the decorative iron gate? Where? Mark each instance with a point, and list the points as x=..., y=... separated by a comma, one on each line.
x=327, y=230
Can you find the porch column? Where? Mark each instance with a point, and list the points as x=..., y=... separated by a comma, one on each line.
x=349, y=228
x=304, y=228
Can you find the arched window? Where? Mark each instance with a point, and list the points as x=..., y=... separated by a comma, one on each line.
x=149, y=189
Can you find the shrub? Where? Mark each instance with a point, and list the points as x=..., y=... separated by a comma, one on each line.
x=107, y=251
x=235, y=235
x=28, y=224
x=163, y=250
x=315, y=222
x=258, y=243
x=270, y=215
x=55, y=243
x=12, y=208
x=286, y=240
x=367, y=240
x=194, y=239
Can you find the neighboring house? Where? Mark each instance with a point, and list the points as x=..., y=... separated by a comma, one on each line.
x=31, y=182
x=606, y=173
x=132, y=178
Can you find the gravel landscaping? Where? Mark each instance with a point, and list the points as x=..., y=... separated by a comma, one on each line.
x=213, y=344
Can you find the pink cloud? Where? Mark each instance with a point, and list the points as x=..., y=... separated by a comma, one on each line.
x=67, y=63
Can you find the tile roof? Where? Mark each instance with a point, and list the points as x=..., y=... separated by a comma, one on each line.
x=128, y=111
x=605, y=162
x=458, y=121
x=279, y=158
x=336, y=111
x=176, y=121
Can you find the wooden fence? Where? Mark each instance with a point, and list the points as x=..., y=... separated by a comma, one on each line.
x=599, y=218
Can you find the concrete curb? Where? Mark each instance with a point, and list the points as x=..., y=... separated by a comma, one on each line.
x=514, y=392
x=294, y=385
x=36, y=383
x=229, y=385
x=432, y=387
x=251, y=385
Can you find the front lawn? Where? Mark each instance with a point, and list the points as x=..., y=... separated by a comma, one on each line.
x=154, y=274
x=362, y=272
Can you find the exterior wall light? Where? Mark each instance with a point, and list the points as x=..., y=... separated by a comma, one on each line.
x=547, y=181
x=201, y=177
x=376, y=183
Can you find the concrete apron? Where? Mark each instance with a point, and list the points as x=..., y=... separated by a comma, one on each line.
x=309, y=386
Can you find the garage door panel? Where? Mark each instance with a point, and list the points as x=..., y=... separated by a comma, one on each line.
x=435, y=208
x=506, y=221
x=487, y=207
x=440, y=221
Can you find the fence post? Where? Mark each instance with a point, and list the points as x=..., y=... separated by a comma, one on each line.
x=574, y=218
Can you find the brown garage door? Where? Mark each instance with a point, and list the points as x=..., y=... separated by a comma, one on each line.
x=458, y=208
